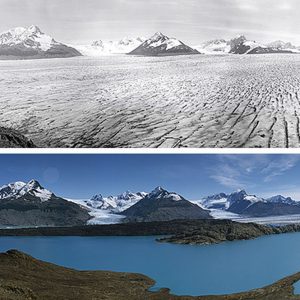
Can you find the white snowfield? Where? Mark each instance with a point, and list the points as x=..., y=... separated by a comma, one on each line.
x=272, y=220
x=180, y=101
x=19, y=189
x=106, y=216
x=104, y=210
x=30, y=37
x=100, y=48
x=222, y=47
x=99, y=216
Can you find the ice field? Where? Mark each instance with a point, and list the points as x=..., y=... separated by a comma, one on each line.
x=180, y=101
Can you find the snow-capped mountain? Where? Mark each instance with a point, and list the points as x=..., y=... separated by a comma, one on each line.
x=29, y=204
x=217, y=201
x=161, y=205
x=219, y=46
x=281, y=199
x=160, y=44
x=241, y=45
x=228, y=202
x=237, y=45
x=115, y=204
x=31, y=42
x=280, y=45
x=18, y=189
x=99, y=48
x=239, y=201
x=31, y=37
x=105, y=210
x=244, y=204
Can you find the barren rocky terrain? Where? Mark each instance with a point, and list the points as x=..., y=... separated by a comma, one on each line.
x=124, y=101
x=10, y=138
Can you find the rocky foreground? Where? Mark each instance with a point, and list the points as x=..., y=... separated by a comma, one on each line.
x=23, y=277
x=225, y=231
x=10, y=138
x=200, y=232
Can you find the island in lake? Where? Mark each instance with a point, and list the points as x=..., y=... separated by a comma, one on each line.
x=168, y=245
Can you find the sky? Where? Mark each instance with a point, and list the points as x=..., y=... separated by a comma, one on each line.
x=81, y=176
x=192, y=21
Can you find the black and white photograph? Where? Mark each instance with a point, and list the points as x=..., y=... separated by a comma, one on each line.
x=149, y=150
x=150, y=74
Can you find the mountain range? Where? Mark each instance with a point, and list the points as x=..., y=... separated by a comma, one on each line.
x=237, y=202
x=99, y=47
x=251, y=205
x=31, y=42
x=29, y=204
x=241, y=45
x=115, y=204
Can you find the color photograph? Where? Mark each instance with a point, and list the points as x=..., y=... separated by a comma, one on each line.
x=156, y=226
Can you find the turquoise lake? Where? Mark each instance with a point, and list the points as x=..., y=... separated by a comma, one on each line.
x=187, y=270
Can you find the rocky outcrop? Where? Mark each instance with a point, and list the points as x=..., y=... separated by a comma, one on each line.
x=10, y=138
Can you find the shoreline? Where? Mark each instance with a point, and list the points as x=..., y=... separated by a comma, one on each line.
x=188, y=232
x=24, y=277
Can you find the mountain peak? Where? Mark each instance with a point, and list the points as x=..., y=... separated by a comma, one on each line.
x=240, y=37
x=158, y=190
x=161, y=45
x=98, y=43
x=33, y=183
x=281, y=199
x=31, y=42
x=19, y=189
x=98, y=197
x=34, y=29
x=161, y=205
x=158, y=35
x=240, y=192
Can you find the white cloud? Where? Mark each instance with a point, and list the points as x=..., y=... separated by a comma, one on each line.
x=228, y=181
x=249, y=171
x=279, y=166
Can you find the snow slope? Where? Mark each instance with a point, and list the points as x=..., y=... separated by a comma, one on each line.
x=160, y=44
x=19, y=189
x=104, y=210
x=214, y=47
x=99, y=48
x=241, y=45
x=31, y=37
x=31, y=42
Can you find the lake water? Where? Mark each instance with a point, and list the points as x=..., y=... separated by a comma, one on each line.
x=187, y=270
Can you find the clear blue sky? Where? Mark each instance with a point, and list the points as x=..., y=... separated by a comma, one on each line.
x=193, y=21
x=193, y=176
